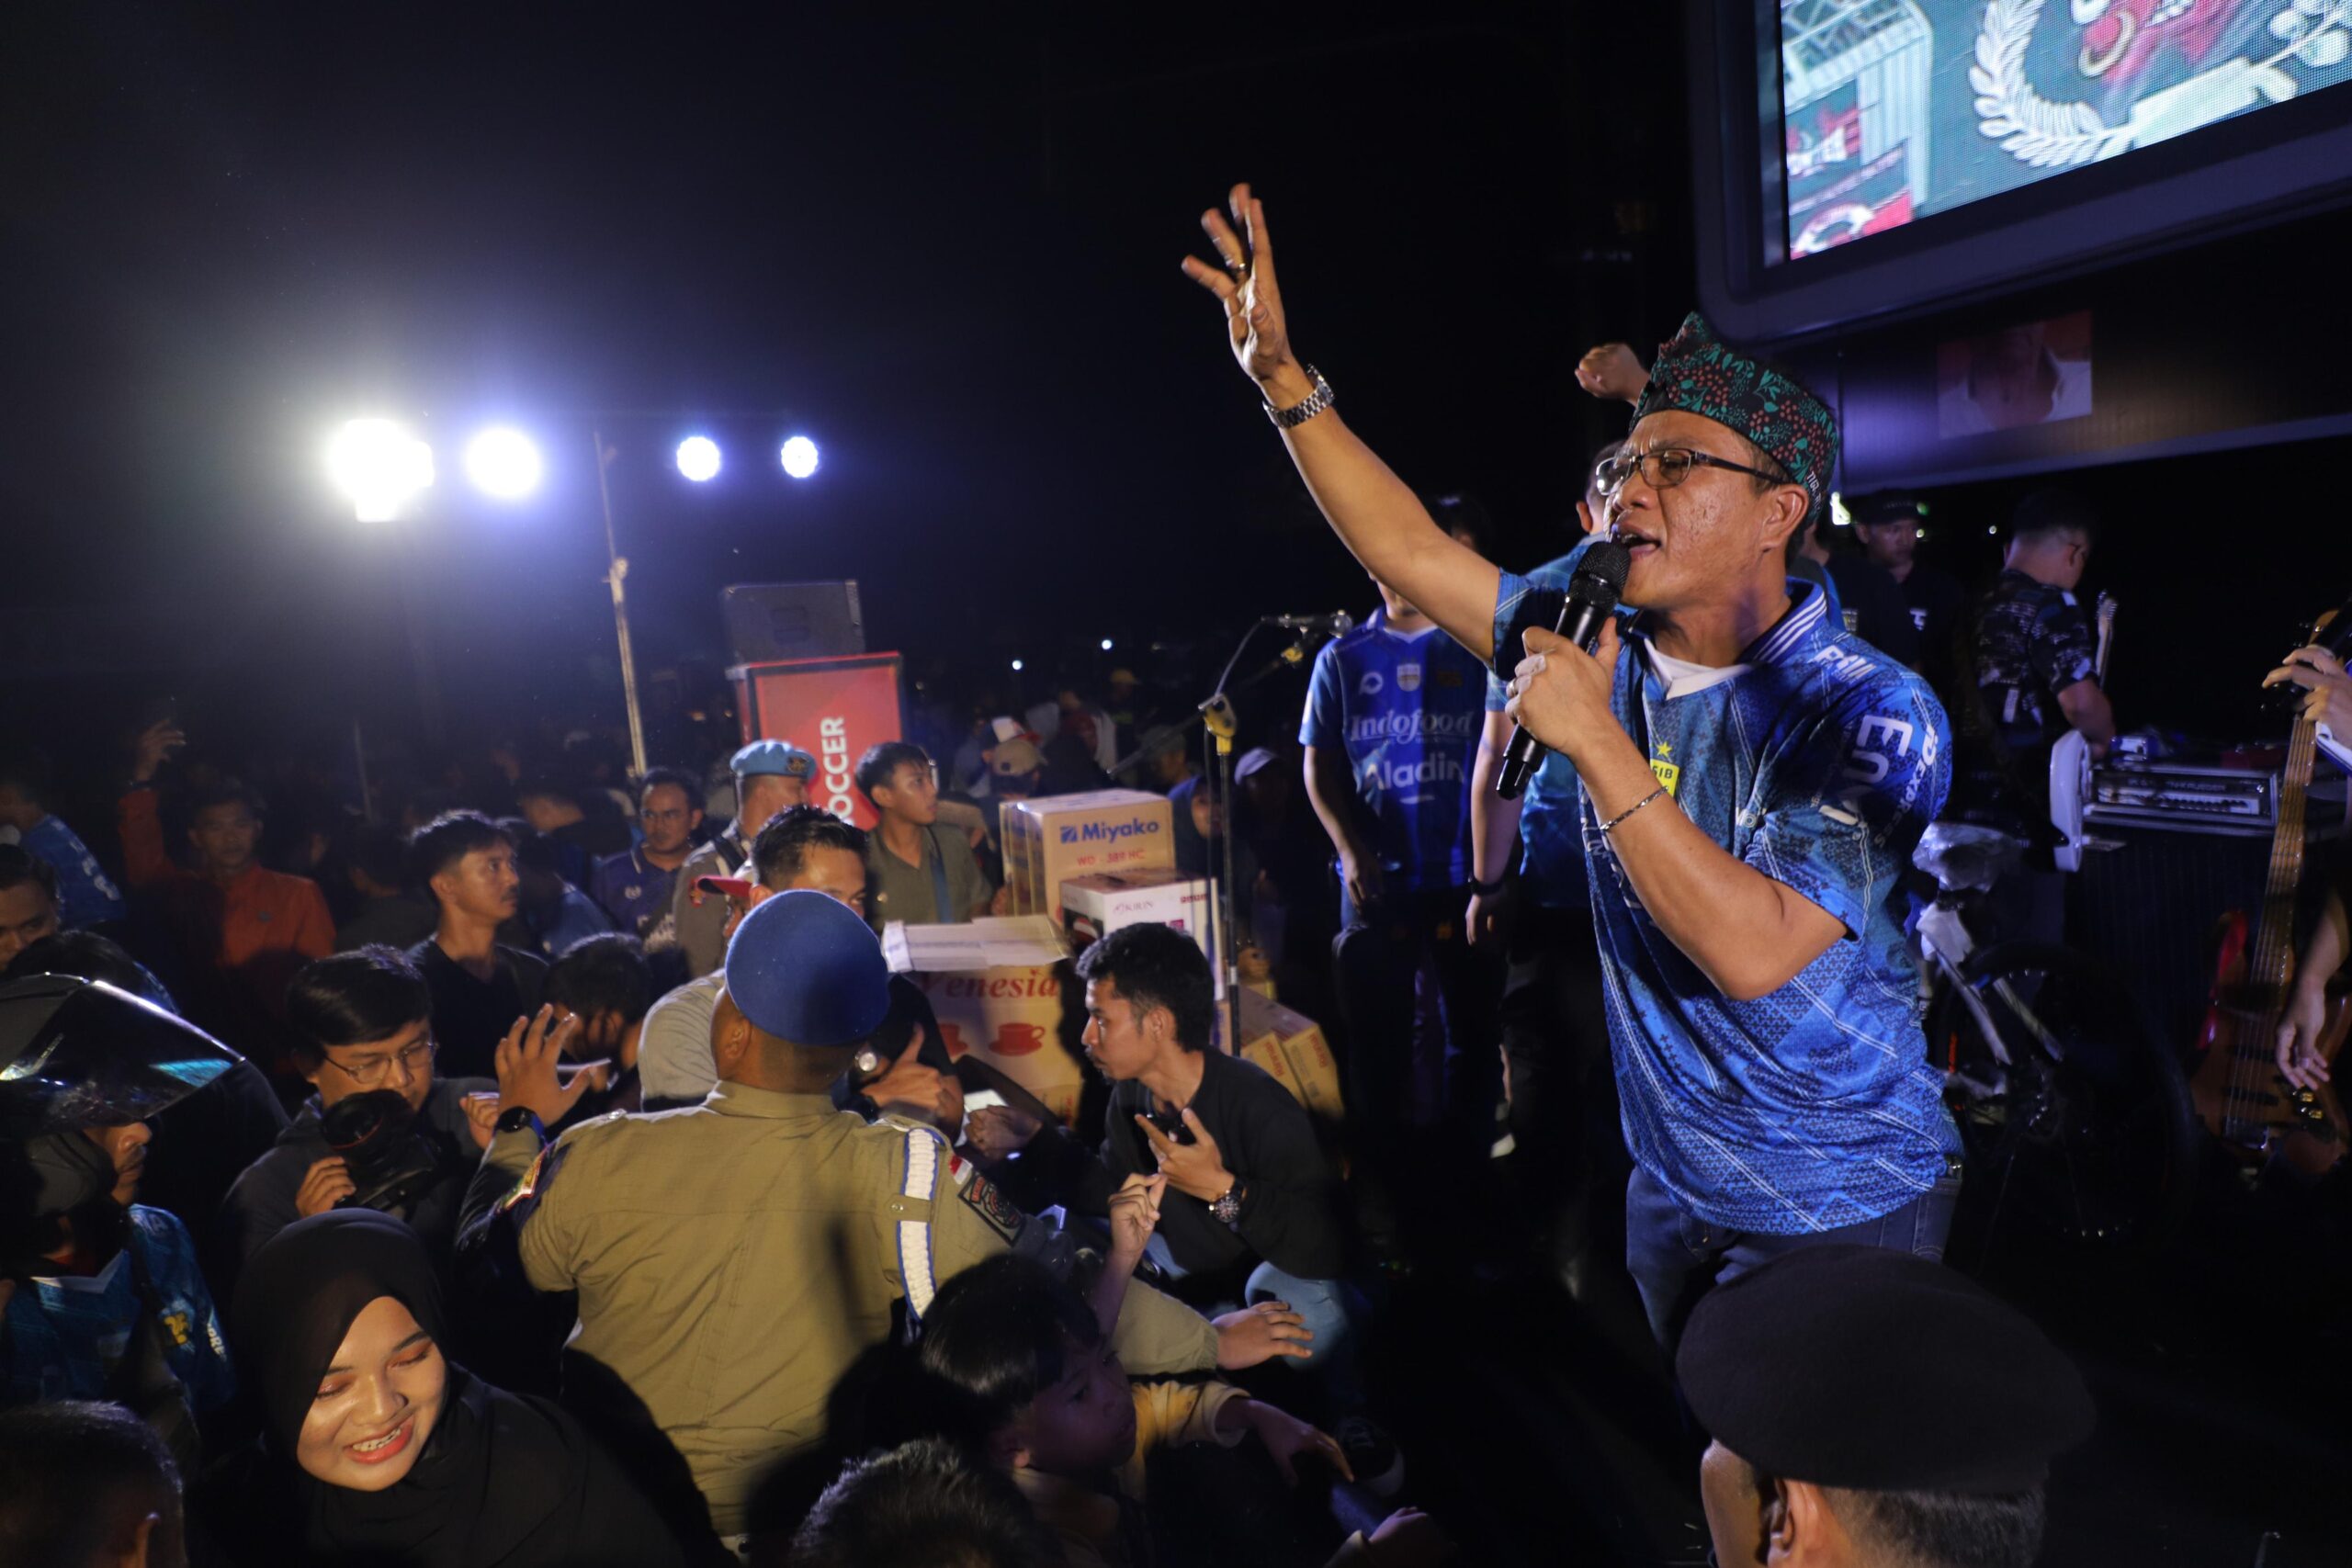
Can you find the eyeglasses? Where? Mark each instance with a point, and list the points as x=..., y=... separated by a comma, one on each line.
x=372, y=1071
x=1667, y=467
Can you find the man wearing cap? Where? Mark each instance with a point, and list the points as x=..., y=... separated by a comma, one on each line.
x=1870, y=1407
x=734, y=1258
x=1393, y=714
x=807, y=848
x=769, y=776
x=1752, y=781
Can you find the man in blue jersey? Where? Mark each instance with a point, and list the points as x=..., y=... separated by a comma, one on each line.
x=1568, y=1158
x=1753, y=780
x=1391, y=725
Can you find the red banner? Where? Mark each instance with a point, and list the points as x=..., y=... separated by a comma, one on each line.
x=831, y=708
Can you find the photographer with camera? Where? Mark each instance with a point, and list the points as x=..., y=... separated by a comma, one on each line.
x=102, y=1296
x=381, y=1131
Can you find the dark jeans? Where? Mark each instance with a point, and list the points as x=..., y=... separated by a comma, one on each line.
x=1379, y=950
x=1676, y=1256
x=1568, y=1142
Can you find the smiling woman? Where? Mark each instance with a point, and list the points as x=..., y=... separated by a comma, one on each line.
x=378, y=1447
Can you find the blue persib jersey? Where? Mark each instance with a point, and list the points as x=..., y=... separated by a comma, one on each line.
x=1818, y=761
x=1405, y=711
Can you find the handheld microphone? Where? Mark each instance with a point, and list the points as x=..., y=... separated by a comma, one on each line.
x=1338, y=622
x=1593, y=597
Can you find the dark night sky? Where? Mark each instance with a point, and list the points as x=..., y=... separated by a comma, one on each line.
x=945, y=247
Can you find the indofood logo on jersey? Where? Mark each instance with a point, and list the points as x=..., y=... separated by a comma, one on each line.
x=1110, y=832
x=1415, y=724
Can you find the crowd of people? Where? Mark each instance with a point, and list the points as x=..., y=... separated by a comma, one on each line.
x=547, y=1167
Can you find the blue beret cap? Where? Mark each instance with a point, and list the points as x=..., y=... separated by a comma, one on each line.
x=781, y=757
x=805, y=969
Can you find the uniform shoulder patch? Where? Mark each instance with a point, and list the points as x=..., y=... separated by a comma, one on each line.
x=524, y=1195
x=990, y=1204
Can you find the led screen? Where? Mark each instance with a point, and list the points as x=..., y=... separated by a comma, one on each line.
x=1892, y=111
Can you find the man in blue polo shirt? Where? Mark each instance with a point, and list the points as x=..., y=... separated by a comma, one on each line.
x=1753, y=781
x=1391, y=725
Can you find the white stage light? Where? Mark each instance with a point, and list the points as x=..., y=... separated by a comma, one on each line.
x=800, y=456
x=503, y=463
x=379, y=465
x=1106, y=645
x=699, y=459
x=1016, y=666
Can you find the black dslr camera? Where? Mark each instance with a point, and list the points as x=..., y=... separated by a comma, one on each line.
x=391, y=1160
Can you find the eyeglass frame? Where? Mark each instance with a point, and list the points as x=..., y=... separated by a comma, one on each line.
x=430, y=1045
x=1639, y=462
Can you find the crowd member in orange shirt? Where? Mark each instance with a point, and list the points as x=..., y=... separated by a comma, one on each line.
x=240, y=929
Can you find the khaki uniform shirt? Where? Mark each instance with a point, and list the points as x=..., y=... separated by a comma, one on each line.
x=735, y=1258
x=897, y=891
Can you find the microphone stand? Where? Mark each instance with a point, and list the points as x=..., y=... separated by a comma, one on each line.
x=1220, y=722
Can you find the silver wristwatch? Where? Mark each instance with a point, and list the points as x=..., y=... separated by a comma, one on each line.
x=1227, y=1208
x=1298, y=414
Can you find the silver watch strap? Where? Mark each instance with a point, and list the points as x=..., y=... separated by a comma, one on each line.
x=1298, y=414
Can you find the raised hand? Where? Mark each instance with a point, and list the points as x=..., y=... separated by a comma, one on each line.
x=1260, y=1333
x=907, y=1086
x=154, y=746
x=1134, y=1215
x=1243, y=281
x=1613, y=370
x=1196, y=1167
x=527, y=1062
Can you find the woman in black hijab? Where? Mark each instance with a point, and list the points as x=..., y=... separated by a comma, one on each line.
x=378, y=1451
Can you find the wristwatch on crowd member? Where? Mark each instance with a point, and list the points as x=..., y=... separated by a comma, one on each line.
x=1226, y=1206
x=519, y=1119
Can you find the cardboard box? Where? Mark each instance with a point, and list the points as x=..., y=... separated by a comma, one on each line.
x=1095, y=906
x=997, y=986
x=1290, y=1047
x=1066, y=836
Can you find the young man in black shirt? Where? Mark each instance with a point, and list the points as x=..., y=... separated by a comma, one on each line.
x=1888, y=526
x=1252, y=1209
x=479, y=986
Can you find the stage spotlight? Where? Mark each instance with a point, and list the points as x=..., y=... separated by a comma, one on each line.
x=800, y=456
x=699, y=459
x=1016, y=666
x=379, y=466
x=1106, y=645
x=503, y=463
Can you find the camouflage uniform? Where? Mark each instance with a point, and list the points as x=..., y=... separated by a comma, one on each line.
x=2030, y=642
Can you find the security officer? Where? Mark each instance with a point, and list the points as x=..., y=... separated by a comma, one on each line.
x=770, y=775
x=733, y=1258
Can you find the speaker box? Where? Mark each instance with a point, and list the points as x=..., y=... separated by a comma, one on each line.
x=770, y=621
x=2149, y=910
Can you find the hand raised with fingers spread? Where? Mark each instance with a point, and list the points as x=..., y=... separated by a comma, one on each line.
x=1243, y=281
x=527, y=1062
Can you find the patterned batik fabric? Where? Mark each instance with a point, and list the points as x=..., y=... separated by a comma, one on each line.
x=1698, y=374
x=1818, y=761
